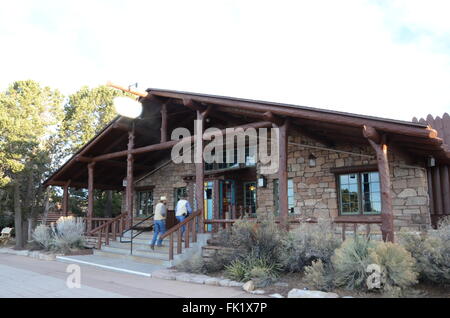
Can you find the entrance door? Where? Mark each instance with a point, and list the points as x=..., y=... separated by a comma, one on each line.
x=209, y=203
x=227, y=198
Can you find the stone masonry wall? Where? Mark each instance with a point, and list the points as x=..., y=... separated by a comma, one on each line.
x=315, y=188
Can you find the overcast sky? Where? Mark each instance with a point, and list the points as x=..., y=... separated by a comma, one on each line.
x=384, y=58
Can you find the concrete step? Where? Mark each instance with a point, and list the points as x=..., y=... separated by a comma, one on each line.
x=135, y=258
x=158, y=253
x=139, y=247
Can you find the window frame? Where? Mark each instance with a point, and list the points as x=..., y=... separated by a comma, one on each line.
x=359, y=172
x=276, y=203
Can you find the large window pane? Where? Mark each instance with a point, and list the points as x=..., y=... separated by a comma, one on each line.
x=359, y=193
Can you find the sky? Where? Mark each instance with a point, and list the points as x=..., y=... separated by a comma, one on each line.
x=386, y=58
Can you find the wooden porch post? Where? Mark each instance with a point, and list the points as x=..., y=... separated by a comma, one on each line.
x=199, y=169
x=129, y=188
x=282, y=174
x=445, y=190
x=65, y=203
x=90, y=211
x=163, y=123
x=379, y=144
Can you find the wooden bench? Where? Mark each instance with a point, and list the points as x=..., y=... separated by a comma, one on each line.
x=5, y=235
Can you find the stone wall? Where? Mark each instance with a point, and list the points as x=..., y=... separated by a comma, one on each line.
x=315, y=188
x=166, y=179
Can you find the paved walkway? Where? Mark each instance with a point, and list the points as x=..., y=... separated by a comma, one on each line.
x=26, y=277
x=112, y=263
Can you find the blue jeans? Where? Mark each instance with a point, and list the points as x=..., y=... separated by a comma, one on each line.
x=159, y=228
x=180, y=219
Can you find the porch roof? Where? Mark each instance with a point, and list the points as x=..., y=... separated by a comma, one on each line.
x=416, y=140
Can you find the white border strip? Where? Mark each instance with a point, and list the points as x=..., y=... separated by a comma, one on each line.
x=104, y=266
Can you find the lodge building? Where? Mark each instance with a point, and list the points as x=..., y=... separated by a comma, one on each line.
x=364, y=172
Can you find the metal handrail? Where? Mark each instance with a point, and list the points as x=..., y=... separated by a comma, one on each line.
x=132, y=237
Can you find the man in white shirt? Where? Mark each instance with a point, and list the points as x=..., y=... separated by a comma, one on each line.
x=182, y=210
x=159, y=221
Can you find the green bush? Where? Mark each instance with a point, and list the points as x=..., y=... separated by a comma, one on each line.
x=308, y=243
x=397, y=266
x=261, y=270
x=43, y=236
x=394, y=263
x=262, y=240
x=432, y=253
x=194, y=264
x=319, y=276
x=350, y=262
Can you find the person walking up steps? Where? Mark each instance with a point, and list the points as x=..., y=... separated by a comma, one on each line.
x=159, y=221
x=182, y=210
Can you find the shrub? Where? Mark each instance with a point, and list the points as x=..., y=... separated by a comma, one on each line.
x=263, y=240
x=308, y=243
x=394, y=263
x=259, y=269
x=42, y=235
x=68, y=233
x=319, y=276
x=350, y=262
x=432, y=252
x=397, y=266
x=194, y=264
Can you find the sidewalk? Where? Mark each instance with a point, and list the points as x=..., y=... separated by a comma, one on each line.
x=26, y=277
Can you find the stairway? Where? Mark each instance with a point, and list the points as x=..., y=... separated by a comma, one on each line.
x=141, y=250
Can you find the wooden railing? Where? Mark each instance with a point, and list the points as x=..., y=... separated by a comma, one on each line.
x=191, y=233
x=351, y=223
x=114, y=227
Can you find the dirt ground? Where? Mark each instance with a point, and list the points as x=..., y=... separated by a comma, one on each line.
x=295, y=280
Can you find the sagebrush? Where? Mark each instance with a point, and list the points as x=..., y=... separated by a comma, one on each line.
x=43, y=236
x=396, y=266
x=308, y=243
x=68, y=233
x=432, y=252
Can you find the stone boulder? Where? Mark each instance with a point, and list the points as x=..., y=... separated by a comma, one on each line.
x=249, y=286
x=299, y=293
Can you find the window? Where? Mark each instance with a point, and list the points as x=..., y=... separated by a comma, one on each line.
x=250, y=161
x=178, y=193
x=250, y=196
x=145, y=203
x=359, y=193
x=291, y=197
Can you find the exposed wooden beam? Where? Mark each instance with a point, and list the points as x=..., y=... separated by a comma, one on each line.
x=272, y=118
x=170, y=144
x=282, y=174
x=129, y=188
x=371, y=134
x=84, y=185
x=323, y=116
x=90, y=211
x=163, y=122
x=387, y=215
x=199, y=169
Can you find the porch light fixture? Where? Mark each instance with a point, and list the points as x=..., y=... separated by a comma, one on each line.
x=127, y=107
x=312, y=160
x=431, y=162
x=262, y=182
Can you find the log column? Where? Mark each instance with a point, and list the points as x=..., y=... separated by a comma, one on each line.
x=90, y=211
x=445, y=189
x=282, y=174
x=379, y=144
x=129, y=187
x=199, y=169
x=163, y=123
x=65, y=203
